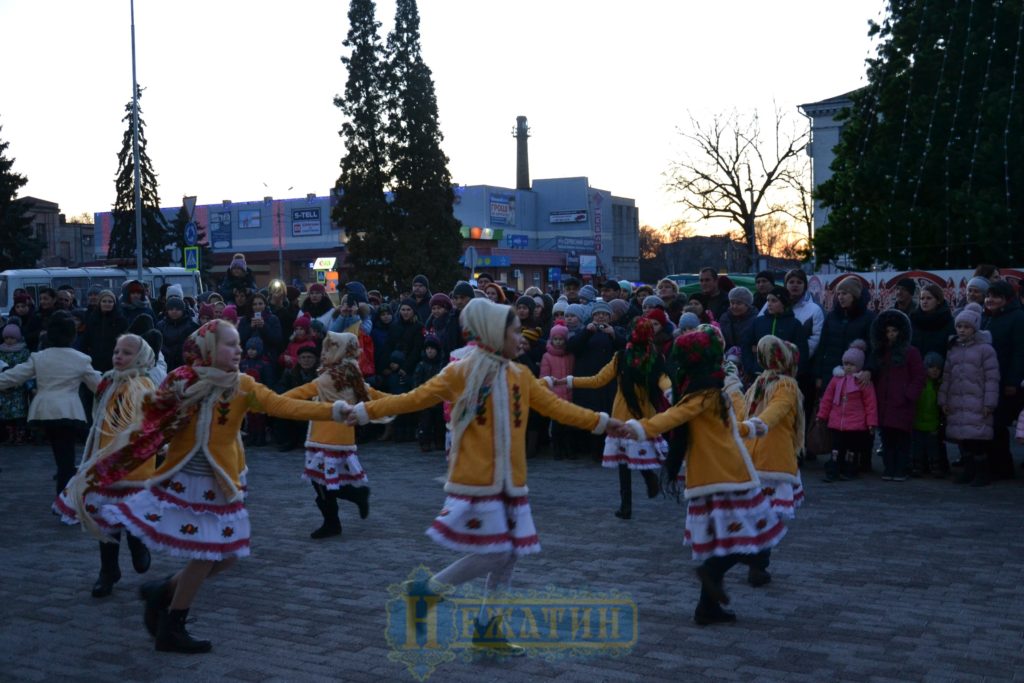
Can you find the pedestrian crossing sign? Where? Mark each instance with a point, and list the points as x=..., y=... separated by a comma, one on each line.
x=192, y=258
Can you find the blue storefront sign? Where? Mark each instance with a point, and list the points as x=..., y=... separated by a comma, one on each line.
x=220, y=229
x=517, y=241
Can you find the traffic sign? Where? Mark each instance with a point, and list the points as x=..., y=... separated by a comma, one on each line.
x=189, y=203
x=191, y=233
x=192, y=258
x=470, y=259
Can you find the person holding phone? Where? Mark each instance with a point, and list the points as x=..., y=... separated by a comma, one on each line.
x=262, y=323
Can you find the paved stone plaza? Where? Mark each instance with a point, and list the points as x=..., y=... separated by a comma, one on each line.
x=875, y=582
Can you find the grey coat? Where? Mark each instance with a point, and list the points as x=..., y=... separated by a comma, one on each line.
x=970, y=383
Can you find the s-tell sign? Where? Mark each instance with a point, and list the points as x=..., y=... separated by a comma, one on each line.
x=305, y=222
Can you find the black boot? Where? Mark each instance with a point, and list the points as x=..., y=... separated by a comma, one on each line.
x=328, y=505
x=966, y=476
x=157, y=596
x=488, y=638
x=110, y=572
x=758, y=575
x=625, y=510
x=982, y=471
x=360, y=495
x=171, y=635
x=140, y=554
x=709, y=612
x=832, y=467
x=653, y=484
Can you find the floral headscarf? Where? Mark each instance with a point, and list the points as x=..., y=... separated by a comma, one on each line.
x=340, y=378
x=780, y=360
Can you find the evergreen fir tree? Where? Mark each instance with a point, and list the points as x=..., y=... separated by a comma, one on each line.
x=422, y=184
x=362, y=209
x=156, y=235
x=928, y=168
x=17, y=248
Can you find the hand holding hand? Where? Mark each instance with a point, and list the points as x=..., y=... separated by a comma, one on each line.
x=618, y=429
x=351, y=420
x=341, y=411
x=759, y=426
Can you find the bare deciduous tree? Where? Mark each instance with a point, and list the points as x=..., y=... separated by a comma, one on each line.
x=733, y=170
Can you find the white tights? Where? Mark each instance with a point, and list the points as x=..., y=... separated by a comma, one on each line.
x=497, y=567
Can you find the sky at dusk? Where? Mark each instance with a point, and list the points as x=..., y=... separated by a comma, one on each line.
x=240, y=94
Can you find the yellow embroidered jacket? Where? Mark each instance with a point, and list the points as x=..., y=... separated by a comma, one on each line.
x=716, y=458
x=336, y=435
x=476, y=469
x=620, y=409
x=774, y=454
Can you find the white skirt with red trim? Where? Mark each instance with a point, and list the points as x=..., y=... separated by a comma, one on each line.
x=95, y=500
x=735, y=522
x=334, y=467
x=648, y=454
x=486, y=524
x=185, y=516
x=785, y=496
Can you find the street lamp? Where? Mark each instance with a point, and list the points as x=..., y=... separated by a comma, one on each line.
x=280, y=235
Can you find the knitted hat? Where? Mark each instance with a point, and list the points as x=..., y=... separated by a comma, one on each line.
x=782, y=294
x=671, y=283
x=206, y=311
x=432, y=340
x=12, y=330
x=175, y=290
x=174, y=303
x=310, y=350
x=155, y=339
x=303, y=321
x=255, y=343
x=238, y=261
x=134, y=286
x=688, y=321
x=655, y=301
x=742, y=295
x=531, y=334
x=855, y=354
x=620, y=307
x=587, y=293
x=463, y=288
x=527, y=301
x=659, y=315
x=440, y=299
x=600, y=307
x=625, y=286
x=979, y=283
x=578, y=310
x=971, y=315
x=318, y=327
x=317, y=287
x=356, y=293
x=560, y=307
x=230, y=314
x=421, y=280
x=850, y=284
x=767, y=275
x=934, y=360
x=908, y=284
x=141, y=324
x=559, y=332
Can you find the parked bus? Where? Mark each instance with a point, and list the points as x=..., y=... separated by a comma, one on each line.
x=34, y=279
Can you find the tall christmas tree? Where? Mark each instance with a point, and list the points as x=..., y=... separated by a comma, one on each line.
x=928, y=171
x=422, y=184
x=156, y=235
x=18, y=249
x=362, y=208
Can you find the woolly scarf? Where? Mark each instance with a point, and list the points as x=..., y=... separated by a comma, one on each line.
x=486, y=371
x=780, y=360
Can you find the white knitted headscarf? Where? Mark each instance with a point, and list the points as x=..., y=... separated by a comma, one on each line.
x=484, y=323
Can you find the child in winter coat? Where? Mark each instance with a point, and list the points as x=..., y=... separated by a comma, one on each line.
x=557, y=363
x=928, y=454
x=399, y=382
x=852, y=413
x=969, y=394
x=430, y=431
x=257, y=367
x=300, y=338
x=898, y=374
x=14, y=402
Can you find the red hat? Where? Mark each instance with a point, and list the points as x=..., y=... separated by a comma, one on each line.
x=657, y=314
x=317, y=287
x=303, y=321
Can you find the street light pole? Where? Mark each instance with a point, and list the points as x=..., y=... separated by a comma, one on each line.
x=135, y=157
x=280, y=233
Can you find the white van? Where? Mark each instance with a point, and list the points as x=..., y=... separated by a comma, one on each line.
x=34, y=279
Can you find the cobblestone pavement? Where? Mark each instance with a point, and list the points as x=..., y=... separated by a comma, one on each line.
x=876, y=581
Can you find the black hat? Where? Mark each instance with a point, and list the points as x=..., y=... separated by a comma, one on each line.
x=527, y=301
x=463, y=288
x=155, y=340
x=306, y=349
x=611, y=284
x=566, y=281
x=907, y=284
x=767, y=275
x=174, y=302
x=60, y=330
x=782, y=294
x=141, y=325
x=421, y=280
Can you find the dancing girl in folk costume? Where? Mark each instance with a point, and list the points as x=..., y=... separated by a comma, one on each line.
x=775, y=398
x=728, y=517
x=118, y=397
x=192, y=505
x=486, y=512
x=332, y=465
x=642, y=383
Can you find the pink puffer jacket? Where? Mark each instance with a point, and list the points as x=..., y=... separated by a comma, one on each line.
x=848, y=406
x=970, y=383
x=557, y=364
